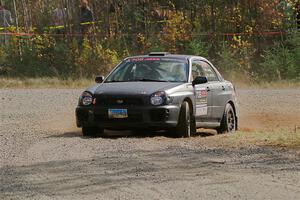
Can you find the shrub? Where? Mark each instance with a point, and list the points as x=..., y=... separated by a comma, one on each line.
x=234, y=61
x=281, y=61
x=198, y=47
x=3, y=59
x=91, y=61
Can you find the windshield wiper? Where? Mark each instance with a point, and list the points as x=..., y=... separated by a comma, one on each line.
x=114, y=81
x=149, y=80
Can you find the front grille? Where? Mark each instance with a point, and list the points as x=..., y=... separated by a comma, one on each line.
x=118, y=101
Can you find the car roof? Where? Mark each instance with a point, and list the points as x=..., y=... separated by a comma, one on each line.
x=167, y=55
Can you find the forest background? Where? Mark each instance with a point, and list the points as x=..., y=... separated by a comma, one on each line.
x=247, y=40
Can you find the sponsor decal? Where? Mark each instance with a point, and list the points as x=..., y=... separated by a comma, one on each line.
x=201, y=97
x=152, y=59
x=201, y=111
x=142, y=59
x=136, y=59
x=201, y=102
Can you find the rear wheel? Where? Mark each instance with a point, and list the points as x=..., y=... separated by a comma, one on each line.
x=92, y=131
x=229, y=122
x=186, y=125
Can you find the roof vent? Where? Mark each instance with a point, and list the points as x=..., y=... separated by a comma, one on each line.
x=159, y=53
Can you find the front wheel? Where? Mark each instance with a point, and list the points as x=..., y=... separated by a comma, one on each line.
x=229, y=121
x=186, y=125
x=92, y=131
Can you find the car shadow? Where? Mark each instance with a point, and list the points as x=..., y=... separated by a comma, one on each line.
x=109, y=134
x=205, y=134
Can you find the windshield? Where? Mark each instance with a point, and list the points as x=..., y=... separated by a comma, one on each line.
x=150, y=69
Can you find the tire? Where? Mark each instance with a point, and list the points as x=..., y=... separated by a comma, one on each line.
x=186, y=125
x=229, y=121
x=92, y=131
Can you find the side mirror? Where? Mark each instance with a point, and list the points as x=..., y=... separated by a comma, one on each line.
x=199, y=80
x=99, y=79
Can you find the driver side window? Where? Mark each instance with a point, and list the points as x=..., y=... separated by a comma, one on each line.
x=197, y=69
x=201, y=68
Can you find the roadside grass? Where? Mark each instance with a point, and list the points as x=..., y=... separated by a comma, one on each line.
x=287, y=138
x=284, y=84
x=8, y=83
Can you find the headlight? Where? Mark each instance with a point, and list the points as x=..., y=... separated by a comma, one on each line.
x=86, y=99
x=158, y=98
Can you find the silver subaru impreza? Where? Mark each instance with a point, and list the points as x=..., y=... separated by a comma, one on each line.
x=159, y=91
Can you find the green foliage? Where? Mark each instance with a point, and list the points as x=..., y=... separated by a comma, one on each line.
x=227, y=59
x=43, y=56
x=198, y=47
x=227, y=63
x=125, y=28
x=235, y=59
x=281, y=61
x=3, y=60
x=175, y=35
x=91, y=61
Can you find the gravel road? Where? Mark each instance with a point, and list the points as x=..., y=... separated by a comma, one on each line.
x=44, y=156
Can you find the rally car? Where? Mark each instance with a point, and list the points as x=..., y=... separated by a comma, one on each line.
x=159, y=91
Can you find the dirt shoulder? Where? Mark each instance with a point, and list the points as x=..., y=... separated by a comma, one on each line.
x=44, y=156
x=269, y=109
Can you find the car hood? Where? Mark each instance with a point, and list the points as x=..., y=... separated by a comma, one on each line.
x=132, y=88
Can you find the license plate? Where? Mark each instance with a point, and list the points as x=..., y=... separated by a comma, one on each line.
x=117, y=113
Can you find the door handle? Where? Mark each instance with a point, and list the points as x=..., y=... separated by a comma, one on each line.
x=207, y=89
x=223, y=88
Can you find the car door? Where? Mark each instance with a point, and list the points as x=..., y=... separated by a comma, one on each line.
x=203, y=94
x=217, y=90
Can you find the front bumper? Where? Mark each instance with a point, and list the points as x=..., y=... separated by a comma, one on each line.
x=160, y=117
